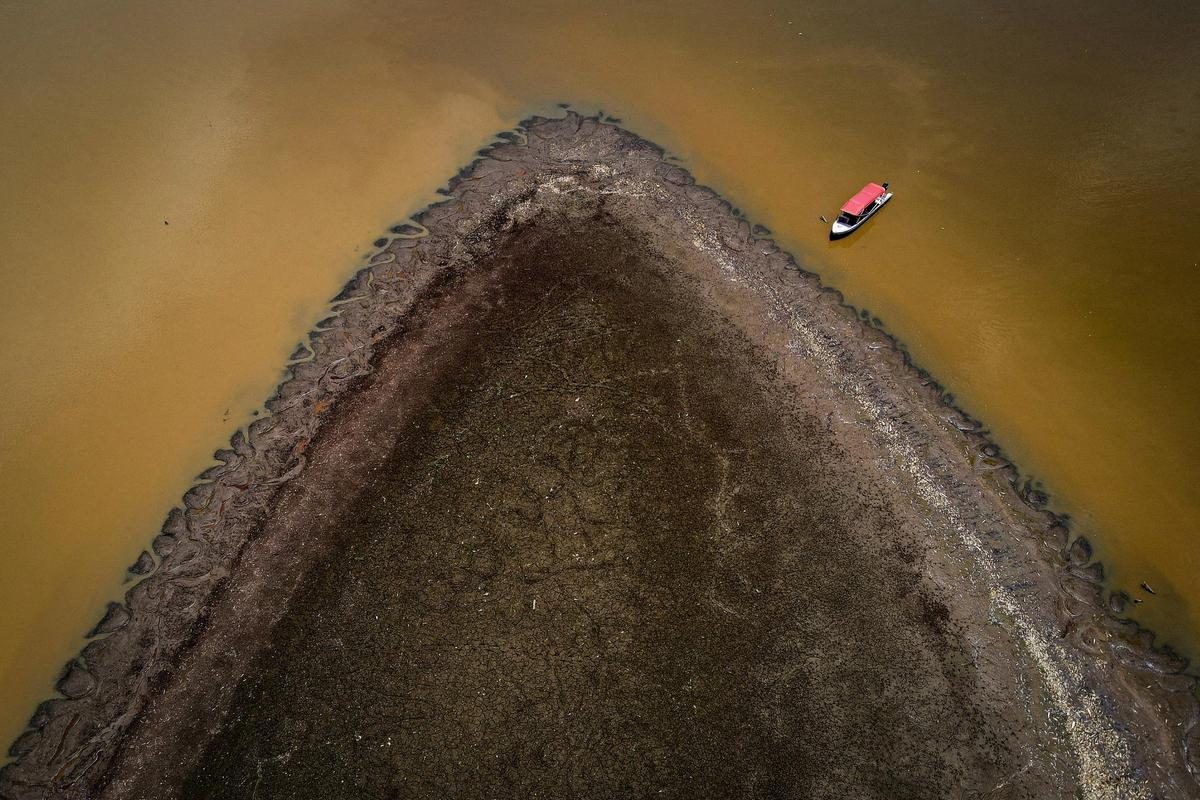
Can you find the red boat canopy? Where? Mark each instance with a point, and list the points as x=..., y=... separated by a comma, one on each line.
x=864, y=198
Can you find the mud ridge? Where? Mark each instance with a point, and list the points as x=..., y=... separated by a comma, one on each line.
x=152, y=705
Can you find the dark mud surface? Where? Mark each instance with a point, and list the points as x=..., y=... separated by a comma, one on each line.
x=612, y=558
x=585, y=490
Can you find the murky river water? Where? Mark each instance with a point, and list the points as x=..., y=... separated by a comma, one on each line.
x=183, y=186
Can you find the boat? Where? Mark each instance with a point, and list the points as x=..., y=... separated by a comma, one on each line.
x=859, y=208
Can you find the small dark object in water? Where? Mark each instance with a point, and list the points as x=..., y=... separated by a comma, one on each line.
x=1146, y=586
x=380, y=242
x=824, y=220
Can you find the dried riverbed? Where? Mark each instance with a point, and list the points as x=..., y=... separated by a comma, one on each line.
x=587, y=490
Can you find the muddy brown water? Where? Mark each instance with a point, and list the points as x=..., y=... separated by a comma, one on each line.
x=168, y=169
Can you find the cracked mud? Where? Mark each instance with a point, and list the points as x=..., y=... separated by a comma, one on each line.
x=609, y=557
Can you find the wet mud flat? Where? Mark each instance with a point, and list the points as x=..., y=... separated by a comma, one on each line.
x=587, y=490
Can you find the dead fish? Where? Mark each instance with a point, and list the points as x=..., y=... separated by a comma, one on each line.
x=1146, y=586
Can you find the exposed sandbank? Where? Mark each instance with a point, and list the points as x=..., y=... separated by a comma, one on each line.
x=585, y=381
